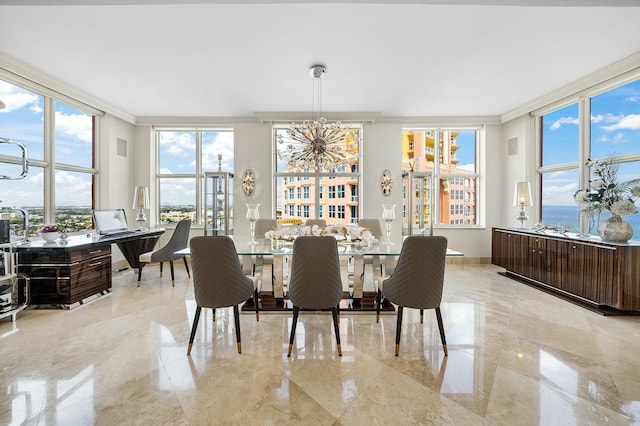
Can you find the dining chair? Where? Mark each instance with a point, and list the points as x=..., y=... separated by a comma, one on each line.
x=320, y=222
x=262, y=227
x=417, y=281
x=373, y=225
x=218, y=280
x=178, y=241
x=315, y=281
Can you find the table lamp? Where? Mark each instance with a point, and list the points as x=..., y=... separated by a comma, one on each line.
x=522, y=198
x=141, y=202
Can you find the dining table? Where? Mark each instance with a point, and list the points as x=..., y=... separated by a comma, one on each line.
x=382, y=256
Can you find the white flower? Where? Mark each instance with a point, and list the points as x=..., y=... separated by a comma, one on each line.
x=597, y=184
x=635, y=191
x=581, y=196
x=623, y=208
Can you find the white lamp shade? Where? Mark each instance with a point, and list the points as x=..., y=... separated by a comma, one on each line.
x=141, y=198
x=522, y=194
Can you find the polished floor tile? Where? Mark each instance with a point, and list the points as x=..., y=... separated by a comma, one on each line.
x=517, y=356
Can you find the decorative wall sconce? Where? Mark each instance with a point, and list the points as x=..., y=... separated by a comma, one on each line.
x=248, y=182
x=386, y=182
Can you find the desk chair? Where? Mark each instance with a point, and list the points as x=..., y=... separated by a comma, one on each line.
x=218, y=280
x=417, y=281
x=315, y=281
x=178, y=241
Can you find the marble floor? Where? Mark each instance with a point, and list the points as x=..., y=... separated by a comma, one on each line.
x=517, y=356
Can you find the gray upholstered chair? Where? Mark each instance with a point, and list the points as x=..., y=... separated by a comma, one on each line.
x=417, y=280
x=262, y=227
x=265, y=225
x=178, y=241
x=320, y=222
x=218, y=280
x=315, y=281
x=373, y=225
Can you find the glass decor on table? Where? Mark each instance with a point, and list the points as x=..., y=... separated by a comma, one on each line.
x=388, y=215
x=252, y=216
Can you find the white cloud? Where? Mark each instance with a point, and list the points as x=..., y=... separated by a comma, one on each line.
x=564, y=120
x=559, y=195
x=221, y=145
x=77, y=126
x=180, y=144
x=16, y=101
x=165, y=171
x=558, y=173
x=628, y=122
x=633, y=99
x=466, y=167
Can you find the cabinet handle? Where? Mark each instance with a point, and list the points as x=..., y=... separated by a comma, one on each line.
x=95, y=264
x=95, y=251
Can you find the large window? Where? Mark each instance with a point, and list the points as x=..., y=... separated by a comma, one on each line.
x=334, y=182
x=60, y=139
x=183, y=157
x=449, y=157
x=612, y=118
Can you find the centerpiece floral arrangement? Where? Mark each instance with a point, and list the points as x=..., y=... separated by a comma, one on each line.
x=351, y=233
x=48, y=228
x=606, y=192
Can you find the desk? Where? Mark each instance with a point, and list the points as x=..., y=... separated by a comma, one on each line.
x=66, y=272
x=383, y=258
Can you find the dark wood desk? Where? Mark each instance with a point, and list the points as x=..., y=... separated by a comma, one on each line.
x=66, y=272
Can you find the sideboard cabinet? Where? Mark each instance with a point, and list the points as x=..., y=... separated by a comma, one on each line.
x=599, y=274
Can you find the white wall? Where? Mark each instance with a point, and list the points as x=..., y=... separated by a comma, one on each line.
x=518, y=167
x=113, y=187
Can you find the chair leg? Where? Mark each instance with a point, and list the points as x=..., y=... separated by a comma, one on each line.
x=378, y=302
x=173, y=278
x=236, y=317
x=196, y=318
x=296, y=310
x=186, y=266
x=213, y=314
x=161, y=263
x=441, y=327
x=255, y=302
x=421, y=316
x=140, y=265
x=334, y=311
x=338, y=311
x=398, y=329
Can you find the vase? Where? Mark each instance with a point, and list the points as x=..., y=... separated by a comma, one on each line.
x=252, y=216
x=49, y=236
x=615, y=230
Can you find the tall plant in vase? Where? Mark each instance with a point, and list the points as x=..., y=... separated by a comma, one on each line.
x=606, y=193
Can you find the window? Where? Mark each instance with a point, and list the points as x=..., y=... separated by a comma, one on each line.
x=299, y=192
x=451, y=156
x=305, y=191
x=343, y=175
x=180, y=169
x=341, y=210
x=291, y=196
x=59, y=135
x=340, y=191
x=305, y=211
x=611, y=117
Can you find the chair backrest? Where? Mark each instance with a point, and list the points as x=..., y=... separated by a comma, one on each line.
x=178, y=241
x=218, y=280
x=315, y=281
x=320, y=222
x=418, y=279
x=373, y=225
x=265, y=225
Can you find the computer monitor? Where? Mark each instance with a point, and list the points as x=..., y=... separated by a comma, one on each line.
x=112, y=221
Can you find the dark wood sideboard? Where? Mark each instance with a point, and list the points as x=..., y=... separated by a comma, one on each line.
x=598, y=275
x=66, y=272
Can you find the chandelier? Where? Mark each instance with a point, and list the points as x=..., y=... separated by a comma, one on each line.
x=317, y=142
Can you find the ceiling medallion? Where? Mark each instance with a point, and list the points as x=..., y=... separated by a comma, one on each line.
x=248, y=182
x=317, y=142
x=386, y=182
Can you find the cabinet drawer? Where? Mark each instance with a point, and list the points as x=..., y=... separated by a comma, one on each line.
x=89, y=253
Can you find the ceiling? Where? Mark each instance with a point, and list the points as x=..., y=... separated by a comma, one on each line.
x=408, y=58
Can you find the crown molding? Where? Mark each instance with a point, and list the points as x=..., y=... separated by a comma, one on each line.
x=266, y=117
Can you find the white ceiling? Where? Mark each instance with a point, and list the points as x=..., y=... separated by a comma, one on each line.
x=411, y=58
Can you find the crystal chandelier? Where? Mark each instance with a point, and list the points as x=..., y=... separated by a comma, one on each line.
x=317, y=142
